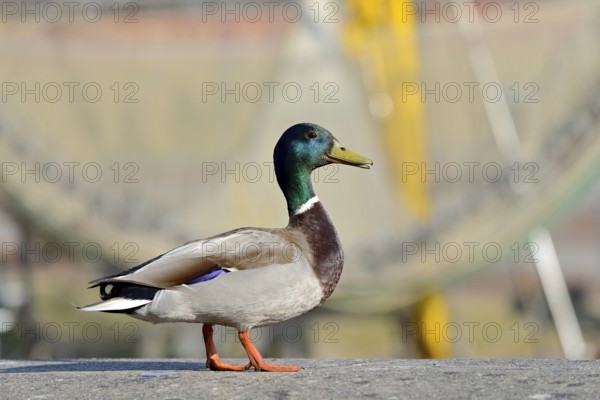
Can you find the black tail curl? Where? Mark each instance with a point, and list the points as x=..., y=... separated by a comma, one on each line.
x=127, y=290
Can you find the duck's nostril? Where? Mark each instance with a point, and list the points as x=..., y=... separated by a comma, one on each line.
x=342, y=148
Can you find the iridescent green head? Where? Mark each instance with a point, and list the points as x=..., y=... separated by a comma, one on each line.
x=303, y=148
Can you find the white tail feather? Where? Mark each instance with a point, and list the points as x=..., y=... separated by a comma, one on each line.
x=115, y=304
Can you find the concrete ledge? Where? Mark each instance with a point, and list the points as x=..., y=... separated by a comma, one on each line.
x=391, y=379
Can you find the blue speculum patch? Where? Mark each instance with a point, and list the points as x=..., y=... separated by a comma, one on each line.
x=207, y=277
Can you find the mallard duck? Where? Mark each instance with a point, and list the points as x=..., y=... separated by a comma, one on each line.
x=247, y=277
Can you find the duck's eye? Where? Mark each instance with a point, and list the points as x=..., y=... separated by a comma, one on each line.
x=312, y=135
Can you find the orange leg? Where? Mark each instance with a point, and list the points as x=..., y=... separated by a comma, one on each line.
x=256, y=359
x=212, y=358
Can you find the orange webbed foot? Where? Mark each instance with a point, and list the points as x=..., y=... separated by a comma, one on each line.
x=212, y=357
x=256, y=360
x=215, y=364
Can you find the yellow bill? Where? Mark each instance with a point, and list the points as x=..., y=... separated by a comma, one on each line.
x=341, y=155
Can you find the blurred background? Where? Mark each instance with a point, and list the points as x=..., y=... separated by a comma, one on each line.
x=128, y=128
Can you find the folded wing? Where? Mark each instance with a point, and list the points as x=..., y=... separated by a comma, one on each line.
x=240, y=249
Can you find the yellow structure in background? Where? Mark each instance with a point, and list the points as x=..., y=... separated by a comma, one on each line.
x=382, y=35
x=431, y=320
